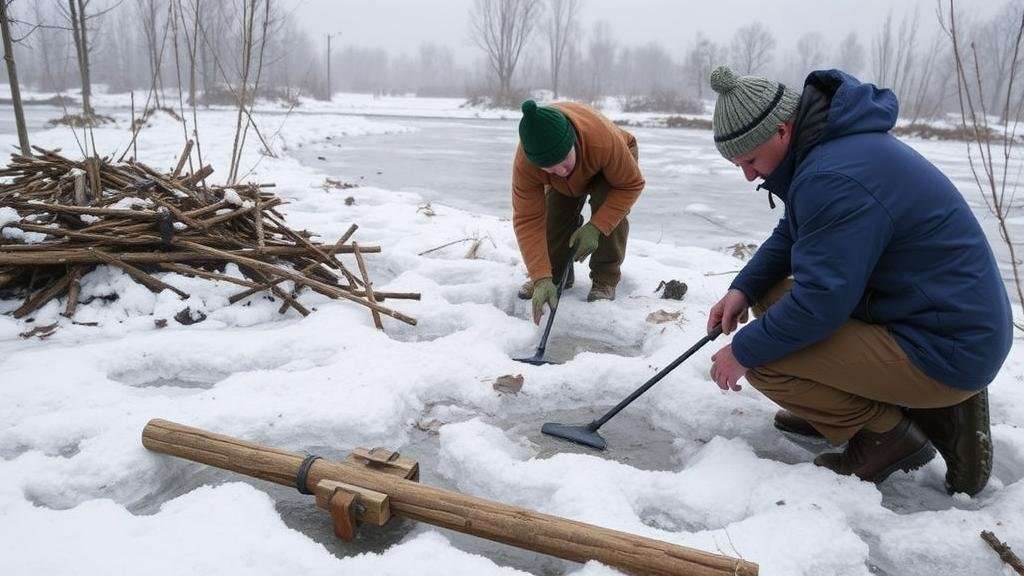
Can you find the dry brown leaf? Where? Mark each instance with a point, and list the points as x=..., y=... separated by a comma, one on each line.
x=432, y=425
x=509, y=384
x=662, y=316
x=42, y=331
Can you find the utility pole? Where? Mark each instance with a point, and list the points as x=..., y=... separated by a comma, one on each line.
x=329, y=36
x=12, y=74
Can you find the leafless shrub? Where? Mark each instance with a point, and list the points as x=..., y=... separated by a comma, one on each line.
x=990, y=149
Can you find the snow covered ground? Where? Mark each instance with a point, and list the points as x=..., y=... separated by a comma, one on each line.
x=687, y=463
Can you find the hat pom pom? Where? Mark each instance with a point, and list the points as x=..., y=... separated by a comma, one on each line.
x=529, y=107
x=723, y=80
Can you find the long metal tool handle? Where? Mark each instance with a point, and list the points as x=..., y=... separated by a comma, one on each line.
x=715, y=333
x=551, y=317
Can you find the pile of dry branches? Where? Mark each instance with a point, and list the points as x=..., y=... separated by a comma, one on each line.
x=74, y=216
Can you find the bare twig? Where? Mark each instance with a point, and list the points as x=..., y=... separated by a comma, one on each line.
x=1005, y=553
x=452, y=243
x=366, y=282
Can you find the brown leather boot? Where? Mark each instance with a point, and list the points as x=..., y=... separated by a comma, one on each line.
x=601, y=292
x=786, y=421
x=962, y=435
x=873, y=456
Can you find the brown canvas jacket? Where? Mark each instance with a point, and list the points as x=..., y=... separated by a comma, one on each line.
x=601, y=148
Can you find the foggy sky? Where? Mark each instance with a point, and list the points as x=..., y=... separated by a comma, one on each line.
x=402, y=25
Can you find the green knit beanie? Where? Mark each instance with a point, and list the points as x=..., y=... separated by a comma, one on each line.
x=748, y=110
x=546, y=134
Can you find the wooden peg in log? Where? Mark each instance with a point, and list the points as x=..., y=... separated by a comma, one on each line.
x=372, y=507
x=342, y=506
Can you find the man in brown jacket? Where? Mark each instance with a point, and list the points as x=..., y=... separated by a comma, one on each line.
x=567, y=152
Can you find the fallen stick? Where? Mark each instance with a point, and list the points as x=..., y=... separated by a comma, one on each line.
x=324, y=289
x=84, y=256
x=306, y=270
x=74, y=286
x=141, y=277
x=1004, y=551
x=367, y=284
x=183, y=158
x=34, y=302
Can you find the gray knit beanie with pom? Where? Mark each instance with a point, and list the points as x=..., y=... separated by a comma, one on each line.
x=748, y=110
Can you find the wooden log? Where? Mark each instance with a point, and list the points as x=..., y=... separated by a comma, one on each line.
x=74, y=286
x=190, y=271
x=80, y=197
x=261, y=242
x=8, y=275
x=382, y=296
x=197, y=177
x=288, y=300
x=183, y=158
x=236, y=213
x=325, y=289
x=208, y=209
x=83, y=256
x=337, y=246
x=77, y=235
x=141, y=277
x=93, y=169
x=520, y=527
x=326, y=258
x=36, y=301
x=179, y=215
x=49, y=207
x=367, y=284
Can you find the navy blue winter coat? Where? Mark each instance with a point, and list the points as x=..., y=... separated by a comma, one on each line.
x=873, y=231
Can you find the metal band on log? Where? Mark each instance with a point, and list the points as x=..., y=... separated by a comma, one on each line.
x=488, y=519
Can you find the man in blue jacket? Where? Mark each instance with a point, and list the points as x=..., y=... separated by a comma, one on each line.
x=881, y=316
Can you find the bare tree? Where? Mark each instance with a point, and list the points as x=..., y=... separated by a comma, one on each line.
x=647, y=69
x=894, y=57
x=997, y=187
x=812, y=52
x=12, y=75
x=501, y=28
x=248, y=22
x=995, y=40
x=50, y=41
x=753, y=48
x=601, y=52
x=155, y=35
x=701, y=60
x=850, y=54
x=910, y=71
x=76, y=16
x=562, y=27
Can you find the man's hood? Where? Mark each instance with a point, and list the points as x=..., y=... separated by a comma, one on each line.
x=833, y=104
x=856, y=107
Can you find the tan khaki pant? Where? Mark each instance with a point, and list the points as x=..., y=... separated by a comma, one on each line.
x=563, y=218
x=856, y=378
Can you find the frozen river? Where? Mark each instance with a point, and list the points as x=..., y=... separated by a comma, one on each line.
x=468, y=164
x=693, y=197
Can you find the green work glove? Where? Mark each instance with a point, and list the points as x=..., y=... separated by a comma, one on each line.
x=543, y=291
x=585, y=240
